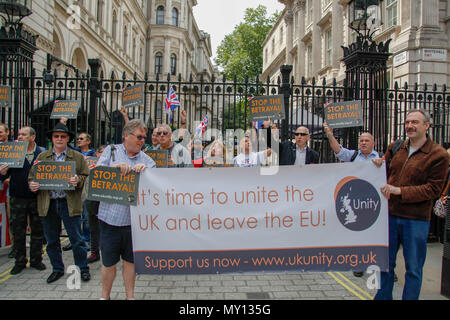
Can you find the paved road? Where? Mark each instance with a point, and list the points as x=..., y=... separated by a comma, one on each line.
x=31, y=284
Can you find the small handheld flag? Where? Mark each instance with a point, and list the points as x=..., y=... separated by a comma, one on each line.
x=171, y=103
x=202, y=127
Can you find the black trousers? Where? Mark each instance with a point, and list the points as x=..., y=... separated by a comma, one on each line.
x=21, y=209
x=92, y=211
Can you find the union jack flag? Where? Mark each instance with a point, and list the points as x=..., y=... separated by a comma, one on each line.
x=257, y=124
x=202, y=127
x=171, y=103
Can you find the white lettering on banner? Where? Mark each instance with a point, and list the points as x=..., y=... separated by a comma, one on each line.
x=207, y=220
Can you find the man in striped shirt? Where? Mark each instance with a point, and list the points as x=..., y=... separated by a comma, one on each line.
x=115, y=219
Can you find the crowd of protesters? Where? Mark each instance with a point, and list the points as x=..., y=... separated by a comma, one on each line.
x=417, y=170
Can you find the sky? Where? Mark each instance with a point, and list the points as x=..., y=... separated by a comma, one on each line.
x=219, y=17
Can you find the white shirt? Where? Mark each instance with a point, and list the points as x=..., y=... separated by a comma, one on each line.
x=249, y=160
x=300, y=156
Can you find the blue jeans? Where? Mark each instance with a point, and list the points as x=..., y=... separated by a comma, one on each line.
x=412, y=235
x=58, y=211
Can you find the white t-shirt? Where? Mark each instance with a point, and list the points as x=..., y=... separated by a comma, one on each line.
x=249, y=160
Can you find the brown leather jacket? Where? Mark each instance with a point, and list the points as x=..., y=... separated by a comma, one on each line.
x=421, y=179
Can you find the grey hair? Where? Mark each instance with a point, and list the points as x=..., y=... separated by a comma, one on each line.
x=31, y=131
x=132, y=125
x=165, y=126
x=424, y=112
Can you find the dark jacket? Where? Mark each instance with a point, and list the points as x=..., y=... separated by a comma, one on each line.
x=288, y=154
x=18, y=184
x=421, y=179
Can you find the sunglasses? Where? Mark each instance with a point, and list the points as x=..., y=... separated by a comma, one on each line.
x=80, y=138
x=301, y=134
x=164, y=133
x=139, y=137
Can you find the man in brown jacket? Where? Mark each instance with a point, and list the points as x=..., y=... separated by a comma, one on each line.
x=62, y=205
x=416, y=176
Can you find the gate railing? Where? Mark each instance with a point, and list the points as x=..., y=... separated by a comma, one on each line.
x=224, y=101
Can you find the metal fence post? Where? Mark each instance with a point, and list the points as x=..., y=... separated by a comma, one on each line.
x=286, y=91
x=93, y=110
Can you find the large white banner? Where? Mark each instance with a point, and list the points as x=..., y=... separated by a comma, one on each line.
x=325, y=217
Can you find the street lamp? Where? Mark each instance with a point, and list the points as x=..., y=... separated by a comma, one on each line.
x=15, y=8
x=364, y=15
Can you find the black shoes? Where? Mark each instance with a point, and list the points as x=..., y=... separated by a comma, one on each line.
x=358, y=274
x=38, y=266
x=67, y=247
x=54, y=276
x=12, y=254
x=85, y=276
x=17, y=269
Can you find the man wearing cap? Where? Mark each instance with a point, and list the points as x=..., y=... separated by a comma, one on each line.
x=62, y=205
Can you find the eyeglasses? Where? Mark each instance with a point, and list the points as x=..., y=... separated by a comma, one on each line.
x=301, y=134
x=139, y=137
x=162, y=133
x=60, y=136
x=80, y=138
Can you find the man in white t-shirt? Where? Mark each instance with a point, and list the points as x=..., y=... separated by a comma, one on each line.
x=247, y=158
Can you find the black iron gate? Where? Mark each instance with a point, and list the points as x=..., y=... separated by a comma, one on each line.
x=223, y=100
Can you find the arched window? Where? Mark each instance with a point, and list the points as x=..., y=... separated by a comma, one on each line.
x=175, y=17
x=160, y=15
x=173, y=64
x=158, y=63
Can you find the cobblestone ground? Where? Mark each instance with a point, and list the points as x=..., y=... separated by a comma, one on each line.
x=31, y=284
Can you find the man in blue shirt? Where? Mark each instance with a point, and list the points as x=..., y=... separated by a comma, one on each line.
x=115, y=219
x=365, y=150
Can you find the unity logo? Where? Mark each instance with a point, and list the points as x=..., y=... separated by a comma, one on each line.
x=357, y=203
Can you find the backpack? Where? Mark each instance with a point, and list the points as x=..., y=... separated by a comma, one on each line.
x=397, y=144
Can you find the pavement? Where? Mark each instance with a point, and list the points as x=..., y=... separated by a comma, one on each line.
x=31, y=284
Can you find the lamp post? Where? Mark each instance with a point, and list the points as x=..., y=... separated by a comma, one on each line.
x=17, y=48
x=366, y=70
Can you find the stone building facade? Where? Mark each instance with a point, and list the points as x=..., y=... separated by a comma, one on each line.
x=142, y=36
x=309, y=35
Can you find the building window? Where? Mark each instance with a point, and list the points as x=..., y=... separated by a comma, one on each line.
x=175, y=17
x=160, y=15
x=329, y=47
x=310, y=62
x=125, y=39
x=133, y=52
x=173, y=64
x=391, y=12
x=100, y=4
x=158, y=63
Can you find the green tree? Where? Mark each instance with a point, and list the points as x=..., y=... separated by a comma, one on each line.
x=240, y=53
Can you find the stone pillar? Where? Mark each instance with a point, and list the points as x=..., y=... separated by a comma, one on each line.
x=168, y=17
x=166, y=57
x=289, y=19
